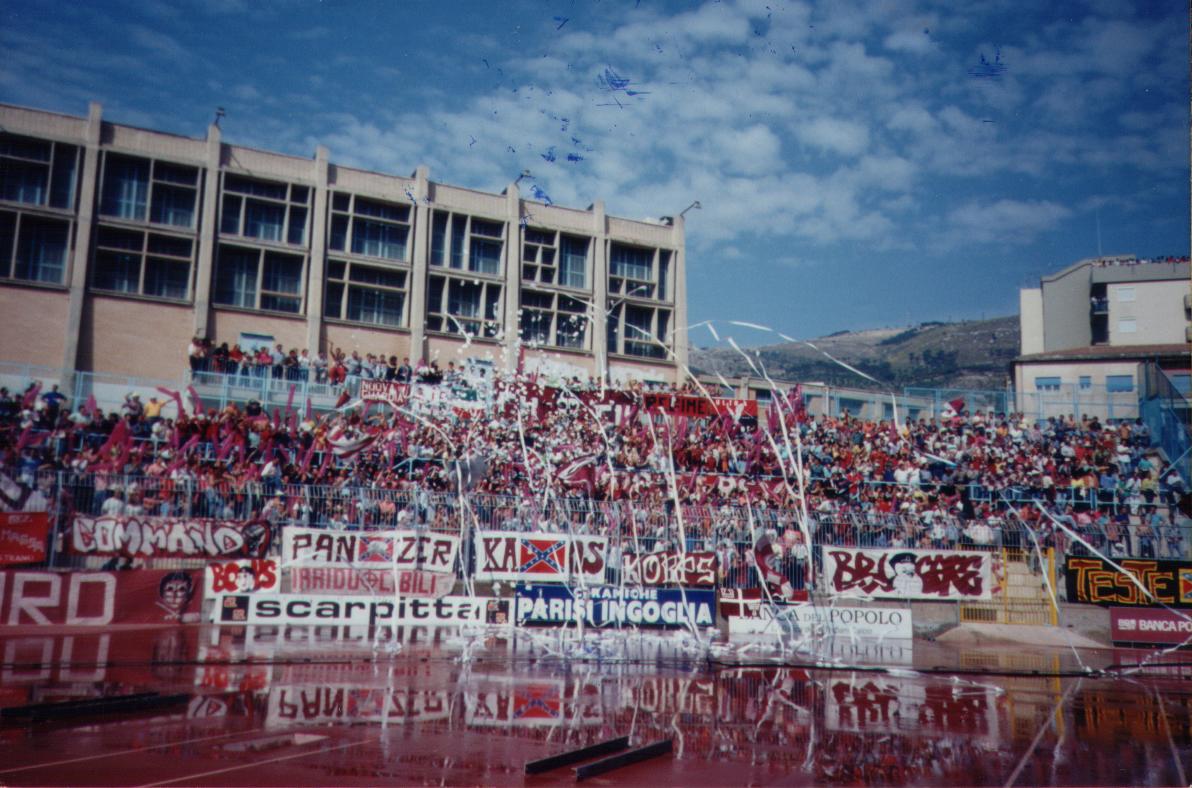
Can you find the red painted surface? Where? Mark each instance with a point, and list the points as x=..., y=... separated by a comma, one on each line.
x=310, y=707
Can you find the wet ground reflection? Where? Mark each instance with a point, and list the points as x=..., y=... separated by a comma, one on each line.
x=337, y=706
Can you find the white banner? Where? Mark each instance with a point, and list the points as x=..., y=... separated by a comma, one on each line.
x=351, y=704
x=908, y=574
x=827, y=621
x=527, y=703
x=540, y=557
x=369, y=582
x=324, y=610
x=401, y=550
x=872, y=704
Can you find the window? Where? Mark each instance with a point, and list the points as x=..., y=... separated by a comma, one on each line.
x=639, y=272
x=365, y=294
x=1119, y=383
x=1086, y=382
x=554, y=258
x=369, y=228
x=553, y=319
x=38, y=172
x=33, y=248
x=137, y=190
x=259, y=279
x=463, y=306
x=1047, y=384
x=1125, y=294
x=1127, y=326
x=266, y=210
x=467, y=243
x=637, y=330
x=130, y=261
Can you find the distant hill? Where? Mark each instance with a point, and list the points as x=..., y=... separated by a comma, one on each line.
x=972, y=354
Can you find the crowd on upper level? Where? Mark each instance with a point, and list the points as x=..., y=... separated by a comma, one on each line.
x=924, y=482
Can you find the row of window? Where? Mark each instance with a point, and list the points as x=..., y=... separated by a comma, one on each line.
x=1113, y=383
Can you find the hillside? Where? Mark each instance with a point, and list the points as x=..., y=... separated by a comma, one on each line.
x=973, y=354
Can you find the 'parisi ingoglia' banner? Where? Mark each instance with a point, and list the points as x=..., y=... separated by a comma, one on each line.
x=612, y=606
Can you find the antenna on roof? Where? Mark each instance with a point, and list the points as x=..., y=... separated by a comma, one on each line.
x=219, y=115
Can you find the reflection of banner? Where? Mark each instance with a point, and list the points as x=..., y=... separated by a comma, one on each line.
x=826, y=621
x=672, y=695
x=363, y=582
x=908, y=574
x=671, y=568
x=1094, y=581
x=430, y=552
x=539, y=557
x=526, y=703
x=323, y=610
x=60, y=665
x=351, y=704
x=23, y=537
x=1157, y=626
x=168, y=537
x=99, y=598
x=242, y=576
x=865, y=703
x=609, y=605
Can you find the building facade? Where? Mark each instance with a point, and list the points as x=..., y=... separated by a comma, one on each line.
x=119, y=244
x=1090, y=332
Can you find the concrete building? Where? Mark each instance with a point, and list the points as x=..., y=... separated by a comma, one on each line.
x=1090, y=331
x=119, y=244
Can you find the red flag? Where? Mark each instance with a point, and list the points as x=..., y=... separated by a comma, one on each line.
x=174, y=395
x=91, y=407
x=31, y=398
x=343, y=399
x=195, y=400
x=309, y=410
x=957, y=405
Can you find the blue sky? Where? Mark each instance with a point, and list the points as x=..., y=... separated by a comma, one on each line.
x=859, y=164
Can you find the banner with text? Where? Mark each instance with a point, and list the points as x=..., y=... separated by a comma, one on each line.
x=169, y=537
x=599, y=606
x=908, y=574
x=1157, y=627
x=365, y=582
x=327, y=610
x=400, y=550
x=140, y=596
x=826, y=621
x=242, y=576
x=1093, y=581
x=671, y=568
x=540, y=557
x=23, y=537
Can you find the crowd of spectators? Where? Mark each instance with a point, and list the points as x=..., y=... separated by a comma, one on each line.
x=957, y=481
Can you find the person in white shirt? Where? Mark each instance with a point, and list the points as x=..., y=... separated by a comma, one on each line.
x=114, y=505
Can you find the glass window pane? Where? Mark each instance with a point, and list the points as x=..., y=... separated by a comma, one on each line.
x=8, y=237
x=24, y=148
x=631, y=262
x=377, y=239
x=438, y=238
x=463, y=298
x=297, y=231
x=236, y=277
x=276, y=303
x=486, y=228
x=434, y=295
x=251, y=186
x=341, y=201
x=117, y=271
x=485, y=257
x=283, y=273
x=335, y=269
x=299, y=194
x=167, y=245
x=125, y=188
x=41, y=250
x=175, y=173
x=1119, y=383
x=264, y=220
x=22, y=181
x=381, y=210
x=459, y=234
x=333, y=299
x=339, y=233
x=367, y=275
x=173, y=205
x=166, y=278
x=62, y=188
x=382, y=307
x=113, y=238
x=230, y=218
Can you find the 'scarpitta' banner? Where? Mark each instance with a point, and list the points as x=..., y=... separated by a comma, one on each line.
x=365, y=582
x=243, y=576
x=1157, y=627
x=540, y=557
x=139, y=596
x=325, y=610
x=400, y=550
x=1094, y=581
x=669, y=608
x=826, y=621
x=169, y=537
x=671, y=568
x=23, y=537
x=908, y=574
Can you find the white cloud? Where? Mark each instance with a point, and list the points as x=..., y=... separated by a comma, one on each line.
x=833, y=134
x=1004, y=221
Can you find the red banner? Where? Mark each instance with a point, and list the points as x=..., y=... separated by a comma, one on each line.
x=23, y=537
x=149, y=596
x=169, y=537
x=671, y=568
x=1150, y=625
